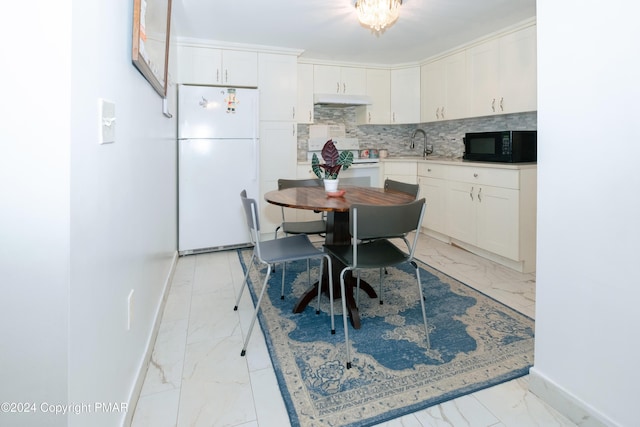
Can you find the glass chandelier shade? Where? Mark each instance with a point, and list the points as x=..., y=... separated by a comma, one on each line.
x=378, y=14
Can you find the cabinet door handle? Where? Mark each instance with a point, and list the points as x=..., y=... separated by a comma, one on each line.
x=471, y=193
x=442, y=113
x=337, y=87
x=394, y=118
x=218, y=75
x=428, y=170
x=501, y=104
x=369, y=117
x=293, y=112
x=493, y=105
x=437, y=113
x=309, y=115
x=293, y=129
x=344, y=88
x=475, y=175
x=226, y=76
x=480, y=195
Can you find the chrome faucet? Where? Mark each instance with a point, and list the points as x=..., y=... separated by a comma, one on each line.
x=425, y=151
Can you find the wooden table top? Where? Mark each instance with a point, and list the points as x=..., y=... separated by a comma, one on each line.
x=315, y=198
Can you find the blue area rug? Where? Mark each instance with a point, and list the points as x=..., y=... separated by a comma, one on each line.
x=476, y=342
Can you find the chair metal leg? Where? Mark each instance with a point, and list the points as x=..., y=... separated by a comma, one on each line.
x=255, y=312
x=318, y=291
x=424, y=311
x=244, y=283
x=284, y=273
x=357, y=288
x=329, y=271
x=344, y=316
x=380, y=289
x=406, y=242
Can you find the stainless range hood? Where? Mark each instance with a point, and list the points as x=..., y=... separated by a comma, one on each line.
x=340, y=99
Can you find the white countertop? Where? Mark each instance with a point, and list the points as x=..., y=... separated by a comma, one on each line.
x=460, y=162
x=353, y=165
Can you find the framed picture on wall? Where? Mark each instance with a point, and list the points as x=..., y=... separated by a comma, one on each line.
x=150, y=44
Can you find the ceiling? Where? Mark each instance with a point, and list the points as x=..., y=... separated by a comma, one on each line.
x=329, y=29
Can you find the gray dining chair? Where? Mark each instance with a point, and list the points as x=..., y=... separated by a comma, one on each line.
x=317, y=226
x=371, y=227
x=271, y=252
x=403, y=187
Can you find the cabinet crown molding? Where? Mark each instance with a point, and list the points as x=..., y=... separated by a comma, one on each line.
x=215, y=44
x=487, y=37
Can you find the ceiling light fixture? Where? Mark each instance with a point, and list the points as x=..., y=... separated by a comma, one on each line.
x=378, y=14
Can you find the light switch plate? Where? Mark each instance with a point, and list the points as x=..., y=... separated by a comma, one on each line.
x=106, y=121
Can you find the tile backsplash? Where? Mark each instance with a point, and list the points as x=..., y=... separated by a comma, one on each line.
x=446, y=136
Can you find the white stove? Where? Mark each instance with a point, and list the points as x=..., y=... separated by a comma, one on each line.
x=342, y=144
x=364, y=172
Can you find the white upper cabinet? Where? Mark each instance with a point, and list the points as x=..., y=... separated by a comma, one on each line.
x=339, y=80
x=277, y=81
x=209, y=66
x=484, y=74
x=379, y=90
x=405, y=95
x=432, y=96
x=444, y=89
x=239, y=68
x=502, y=74
x=278, y=153
x=518, y=68
x=304, y=113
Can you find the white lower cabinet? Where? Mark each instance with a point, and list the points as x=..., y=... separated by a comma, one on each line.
x=484, y=216
x=493, y=210
x=433, y=189
x=403, y=171
x=488, y=210
x=498, y=220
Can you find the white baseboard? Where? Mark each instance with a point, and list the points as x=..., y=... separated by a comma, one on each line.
x=564, y=402
x=142, y=372
x=520, y=266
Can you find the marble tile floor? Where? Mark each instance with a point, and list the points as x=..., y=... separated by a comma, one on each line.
x=197, y=378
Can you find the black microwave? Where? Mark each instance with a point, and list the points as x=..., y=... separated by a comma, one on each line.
x=513, y=146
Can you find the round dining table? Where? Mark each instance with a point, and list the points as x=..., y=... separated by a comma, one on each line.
x=337, y=209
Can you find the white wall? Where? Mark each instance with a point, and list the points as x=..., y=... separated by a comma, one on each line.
x=123, y=208
x=588, y=286
x=34, y=208
x=81, y=224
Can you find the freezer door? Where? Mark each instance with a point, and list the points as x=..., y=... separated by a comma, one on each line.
x=212, y=173
x=217, y=112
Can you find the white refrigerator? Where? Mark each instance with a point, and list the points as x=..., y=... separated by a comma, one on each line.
x=217, y=159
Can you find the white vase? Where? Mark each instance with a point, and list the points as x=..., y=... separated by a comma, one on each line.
x=331, y=185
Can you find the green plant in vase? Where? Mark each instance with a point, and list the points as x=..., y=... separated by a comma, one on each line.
x=334, y=161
